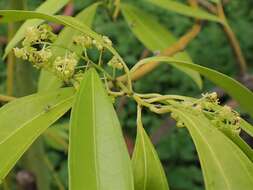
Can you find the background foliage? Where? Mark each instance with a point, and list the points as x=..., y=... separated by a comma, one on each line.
x=210, y=48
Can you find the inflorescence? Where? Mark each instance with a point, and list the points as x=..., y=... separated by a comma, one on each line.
x=38, y=48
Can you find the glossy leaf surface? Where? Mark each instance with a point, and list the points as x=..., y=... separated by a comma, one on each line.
x=236, y=90
x=98, y=157
x=154, y=36
x=24, y=119
x=224, y=164
x=147, y=168
x=49, y=7
x=65, y=39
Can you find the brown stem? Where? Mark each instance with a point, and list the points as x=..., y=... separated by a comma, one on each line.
x=229, y=33
x=209, y=6
x=233, y=41
x=117, y=9
x=10, y=63
x=4, y=98
x=172, y=50
x=177, y=47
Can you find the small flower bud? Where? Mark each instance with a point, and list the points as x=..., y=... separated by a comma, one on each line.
x=65, y=66
x=97, y=45
x=107, y=40
x=115, y=63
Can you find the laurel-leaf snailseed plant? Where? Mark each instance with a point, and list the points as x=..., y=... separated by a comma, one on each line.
x=75, y=78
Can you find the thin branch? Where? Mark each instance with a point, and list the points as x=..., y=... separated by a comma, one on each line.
x=4, y=98
x=233, y=41
x=10, y=63
x=177, y=47
x=209, y=6
x=180, y=45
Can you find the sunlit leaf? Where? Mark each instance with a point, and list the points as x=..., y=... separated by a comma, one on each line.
x=235, y=89
x=147, y=168
x=98, y=157
x=49, y=81
x=154, y=36
x=224, y=164
x=183, y=9
x=23, y=120
x=49, y=7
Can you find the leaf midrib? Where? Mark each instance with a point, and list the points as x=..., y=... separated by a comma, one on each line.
x=209, y=147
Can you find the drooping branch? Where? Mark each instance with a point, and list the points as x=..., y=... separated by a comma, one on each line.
x=4, y=98
x=233, y=41
x=219, y=11
x=179, y=46
x=170, y=51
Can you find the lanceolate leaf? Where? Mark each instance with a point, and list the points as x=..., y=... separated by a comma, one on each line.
x=13, y=16
x=98, y=158
x=49, y=7
x=154, y=36
x=183, y=9
x=24, y=119
x=240, y=93
x=65, y=39
x=224, y=164
x=147, y=168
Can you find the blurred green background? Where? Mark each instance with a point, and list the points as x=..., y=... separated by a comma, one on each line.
x=210, y=48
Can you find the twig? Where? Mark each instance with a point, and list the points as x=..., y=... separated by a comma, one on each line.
x=4, y=98
x=177, y=47
x=233, y=41
x=172, y=50
x=209, y=6
x=219, y=11
x=10, y=63
x=117, y=9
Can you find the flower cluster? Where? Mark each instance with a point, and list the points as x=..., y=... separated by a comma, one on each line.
x=34, y=35
x=64, y=67
x=88, y=42
x=39, y=58
x=223, y=117
x=115, y=63
x=227, y=119
x=35, y=48
x=83, y=40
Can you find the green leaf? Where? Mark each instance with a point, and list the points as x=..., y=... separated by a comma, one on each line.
x=23, y=120
x=147, y=168
x=224, y=164
x=49, y=7
x=183, y=9
x=56, y=136
x=235, y=89
x=98, y=157
x=49, y=81
x=215, y=1
x=154, y=36
x=248, y=128
x=13, y=16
